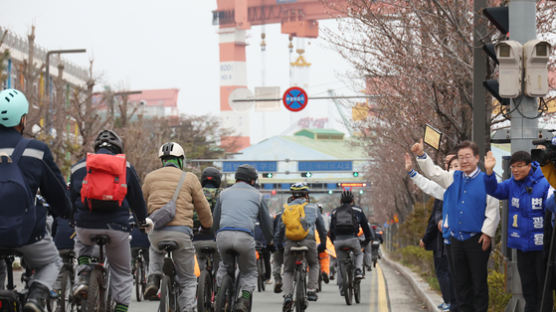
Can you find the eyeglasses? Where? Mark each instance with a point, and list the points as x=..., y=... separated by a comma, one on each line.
x=466, y=157
x=518, y=166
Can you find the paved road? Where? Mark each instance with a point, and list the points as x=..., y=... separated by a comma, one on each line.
x=383, y=290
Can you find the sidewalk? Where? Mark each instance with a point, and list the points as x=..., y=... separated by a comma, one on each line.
x=430, y=297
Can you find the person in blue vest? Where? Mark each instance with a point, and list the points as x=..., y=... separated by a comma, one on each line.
x=472, y=217
x=39, y=171
x=526, y=192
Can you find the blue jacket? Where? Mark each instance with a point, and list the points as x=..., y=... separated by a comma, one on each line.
x=39, y=171
x=527, y=200
x=116, y=220
x=63, y=234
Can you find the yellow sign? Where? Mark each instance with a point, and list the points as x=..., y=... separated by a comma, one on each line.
x=360, y=111
x=432, y=137
x=515, y=221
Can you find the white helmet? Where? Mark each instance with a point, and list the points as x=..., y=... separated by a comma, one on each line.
x=171, y=149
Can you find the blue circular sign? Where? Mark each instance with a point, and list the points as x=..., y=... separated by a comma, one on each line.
x=295, y=99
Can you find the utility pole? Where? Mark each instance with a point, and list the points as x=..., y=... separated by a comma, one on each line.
x=479, y=74
x=524, y=124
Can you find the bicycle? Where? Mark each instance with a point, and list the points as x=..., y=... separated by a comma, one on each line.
x=229, y=290
x=16, y=299
x=260, y=267
x=350, y=285
x=98, y=298
x=206, y=286
x=299, y=278
x=375, y=245
x=140, y=275
x=169, y=289
x=65, y=301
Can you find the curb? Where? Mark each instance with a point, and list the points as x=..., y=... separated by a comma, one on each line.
x=421, y=288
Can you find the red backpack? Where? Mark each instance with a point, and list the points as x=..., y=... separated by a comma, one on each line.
x=104, y=187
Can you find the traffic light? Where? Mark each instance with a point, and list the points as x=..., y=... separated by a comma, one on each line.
x=330, y=192
x=356, y=174
x=307, y=174
x=267, y=175
x=499, y=17
x=361, y=192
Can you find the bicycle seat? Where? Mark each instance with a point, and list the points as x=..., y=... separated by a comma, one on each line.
x=299, y=248
x=169, y=246
x=100, y=239
x=347, y=248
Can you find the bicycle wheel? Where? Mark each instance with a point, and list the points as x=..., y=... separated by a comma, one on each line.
x=165, y=295
x=65, y=300
x=205, y=292
x=260, y=272
x=225, y=297
x=96, y=293
x=300, y=290
x=349, y=286
x=138, y=281
x=357, y=291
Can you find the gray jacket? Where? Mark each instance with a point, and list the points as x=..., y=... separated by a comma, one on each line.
x=239, y=207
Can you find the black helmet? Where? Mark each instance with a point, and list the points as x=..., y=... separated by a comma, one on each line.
x=299, y=189
x=246, y=173
x=110, y=140
x=347, y=197
x=211, y=175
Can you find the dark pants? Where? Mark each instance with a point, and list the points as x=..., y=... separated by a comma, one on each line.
x=531, y=267
x=470, y=264
x=266, y=259
x=454, y=307
x=441, y=267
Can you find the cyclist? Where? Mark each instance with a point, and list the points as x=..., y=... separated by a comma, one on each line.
x=344, y=226
x=237, y=210
x=210, y=181
x=159, y=187
x=277, y=256
x=38, y=170
x=63, y=238
x=107, y=217
x=139, y=241
x=312, y=219
x=324, y=257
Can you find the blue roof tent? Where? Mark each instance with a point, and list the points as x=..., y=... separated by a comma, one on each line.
x=285, y=186
x=331, y=186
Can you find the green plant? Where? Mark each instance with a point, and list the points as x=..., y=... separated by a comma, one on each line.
x=498, y=297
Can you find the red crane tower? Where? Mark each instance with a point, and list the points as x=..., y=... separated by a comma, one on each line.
x=298, y=18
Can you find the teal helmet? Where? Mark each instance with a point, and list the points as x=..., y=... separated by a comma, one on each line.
x=13, y=105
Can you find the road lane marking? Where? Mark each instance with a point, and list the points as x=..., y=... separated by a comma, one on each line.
x=382, y=296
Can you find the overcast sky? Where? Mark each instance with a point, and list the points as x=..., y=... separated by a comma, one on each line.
x=140, y=44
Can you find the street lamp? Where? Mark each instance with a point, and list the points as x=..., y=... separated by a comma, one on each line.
x=48, y=78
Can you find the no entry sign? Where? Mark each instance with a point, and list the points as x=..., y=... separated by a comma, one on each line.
x=295, y=99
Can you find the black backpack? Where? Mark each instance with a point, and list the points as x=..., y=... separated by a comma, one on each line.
x=346, y=221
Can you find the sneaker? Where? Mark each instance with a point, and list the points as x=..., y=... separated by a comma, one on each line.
x=278, y=287
x=243, y=302
x=444, y=307
x=325, y=277
x=268, y=281
x=36, y=301
x=153, y=284
x=288, y=303
x=342, y=292
x=358, y=274
x=82, y=286
x=312, y=295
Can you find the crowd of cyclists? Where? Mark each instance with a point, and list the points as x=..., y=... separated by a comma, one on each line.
x=173, y=212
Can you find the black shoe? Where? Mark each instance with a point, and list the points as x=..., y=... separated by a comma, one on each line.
x=278, y=287
x=288, y=303
x=312, y=295
x=244, y=302
x=342, y=292
x=82, y=286
x=325, y=277
x=153, y=284
x=358, y=274
x=36, y=301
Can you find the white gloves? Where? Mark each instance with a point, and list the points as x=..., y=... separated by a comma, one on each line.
x=150, y=225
